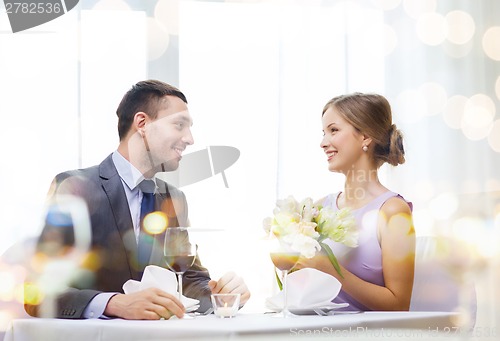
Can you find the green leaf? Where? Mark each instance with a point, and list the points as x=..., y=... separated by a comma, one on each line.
x=280, y=285
x=332, y=258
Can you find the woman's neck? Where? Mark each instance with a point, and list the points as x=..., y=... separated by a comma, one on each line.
x=361, y=186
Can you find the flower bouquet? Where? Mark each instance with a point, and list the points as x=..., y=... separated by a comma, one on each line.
x=304, y=226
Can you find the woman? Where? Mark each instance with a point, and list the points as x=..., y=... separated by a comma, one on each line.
x=358, y=138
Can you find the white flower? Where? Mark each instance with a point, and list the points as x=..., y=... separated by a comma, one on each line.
x=301, y=226
x=309, y=211
x=288, y=205
x=307, y=246
x=267, y=224
x=339, y=226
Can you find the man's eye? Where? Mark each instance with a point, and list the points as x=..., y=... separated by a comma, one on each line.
x=180, y=125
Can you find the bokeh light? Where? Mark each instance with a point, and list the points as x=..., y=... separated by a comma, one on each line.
x=386, y=5
x=494, y=136
x=460, y=27
x=155, y=223
x=478, y=117
x=490, y=43
x=32, y=294
x=158, y=39
x=19, y=293
x=167, y=13
x=91, y=261
x=431, y=29
x=443, y=206
x=423, y=221
x=435, y=98
x=416, y=8
x=454, y=111
x=7, y=285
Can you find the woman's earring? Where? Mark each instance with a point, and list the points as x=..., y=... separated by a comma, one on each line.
x=365, y=148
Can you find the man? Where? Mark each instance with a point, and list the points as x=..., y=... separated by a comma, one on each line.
x=154, y=128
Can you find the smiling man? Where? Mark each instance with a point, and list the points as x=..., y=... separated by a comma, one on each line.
x=154, y=126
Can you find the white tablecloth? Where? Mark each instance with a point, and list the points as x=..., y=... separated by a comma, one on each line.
x=212, y=327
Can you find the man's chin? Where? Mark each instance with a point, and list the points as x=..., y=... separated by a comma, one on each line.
x=169, y=166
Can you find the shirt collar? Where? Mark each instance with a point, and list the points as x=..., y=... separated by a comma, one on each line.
x=127, y=172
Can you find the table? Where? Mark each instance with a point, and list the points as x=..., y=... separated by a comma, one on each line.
x=242, y=326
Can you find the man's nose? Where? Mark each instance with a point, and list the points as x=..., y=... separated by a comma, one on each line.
x=188, y=137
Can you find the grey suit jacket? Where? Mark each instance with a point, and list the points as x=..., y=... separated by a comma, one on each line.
x=113, y=239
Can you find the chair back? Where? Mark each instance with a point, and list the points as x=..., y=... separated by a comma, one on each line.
x=434, y=286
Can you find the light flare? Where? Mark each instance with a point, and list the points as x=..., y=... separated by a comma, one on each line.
x=431, y=29
x=91, y=261
x=402, y=225
x=7, y=285
x=461, y=27
x=33, y=295
x=490, y=43
x=155, y=223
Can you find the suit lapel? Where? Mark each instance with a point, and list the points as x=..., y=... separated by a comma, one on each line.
x=113, y=187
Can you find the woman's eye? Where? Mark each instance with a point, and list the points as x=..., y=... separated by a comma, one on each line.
x=333, y=130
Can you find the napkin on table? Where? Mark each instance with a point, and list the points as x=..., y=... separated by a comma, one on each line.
x=307, y=288
x=158, y=277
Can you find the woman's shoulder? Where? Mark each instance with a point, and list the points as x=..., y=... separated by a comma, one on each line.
x=396, y=205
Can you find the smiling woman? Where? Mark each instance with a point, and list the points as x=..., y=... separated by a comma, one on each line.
x=358, y=138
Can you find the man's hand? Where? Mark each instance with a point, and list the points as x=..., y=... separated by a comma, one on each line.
x=230, y=283
x=149, y=304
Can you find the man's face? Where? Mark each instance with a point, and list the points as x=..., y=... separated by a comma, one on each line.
x=169, y=134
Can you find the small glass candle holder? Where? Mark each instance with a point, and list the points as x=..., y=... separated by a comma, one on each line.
x=226, y=305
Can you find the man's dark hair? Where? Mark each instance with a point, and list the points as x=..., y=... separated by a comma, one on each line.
x=145, y=96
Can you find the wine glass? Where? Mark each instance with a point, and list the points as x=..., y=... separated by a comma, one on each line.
x=284, y=259
x=179, y=253
x=64, y=242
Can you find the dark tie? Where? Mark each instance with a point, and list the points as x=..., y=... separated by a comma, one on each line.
x=145, y=243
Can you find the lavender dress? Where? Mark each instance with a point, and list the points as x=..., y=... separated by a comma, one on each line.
x=364, y=261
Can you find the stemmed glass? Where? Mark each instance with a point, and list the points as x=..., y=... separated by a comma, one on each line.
x=64, y=241
x=179, y=253
x=284, y=259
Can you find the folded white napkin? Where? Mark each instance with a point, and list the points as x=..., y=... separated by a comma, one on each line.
x=158, y=277
x=306, y=289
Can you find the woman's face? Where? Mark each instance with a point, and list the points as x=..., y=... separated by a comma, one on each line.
x=342, y=143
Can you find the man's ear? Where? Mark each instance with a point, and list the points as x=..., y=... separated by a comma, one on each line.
x=139, y=123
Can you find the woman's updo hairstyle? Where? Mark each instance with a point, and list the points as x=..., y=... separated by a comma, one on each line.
x=371, y=115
